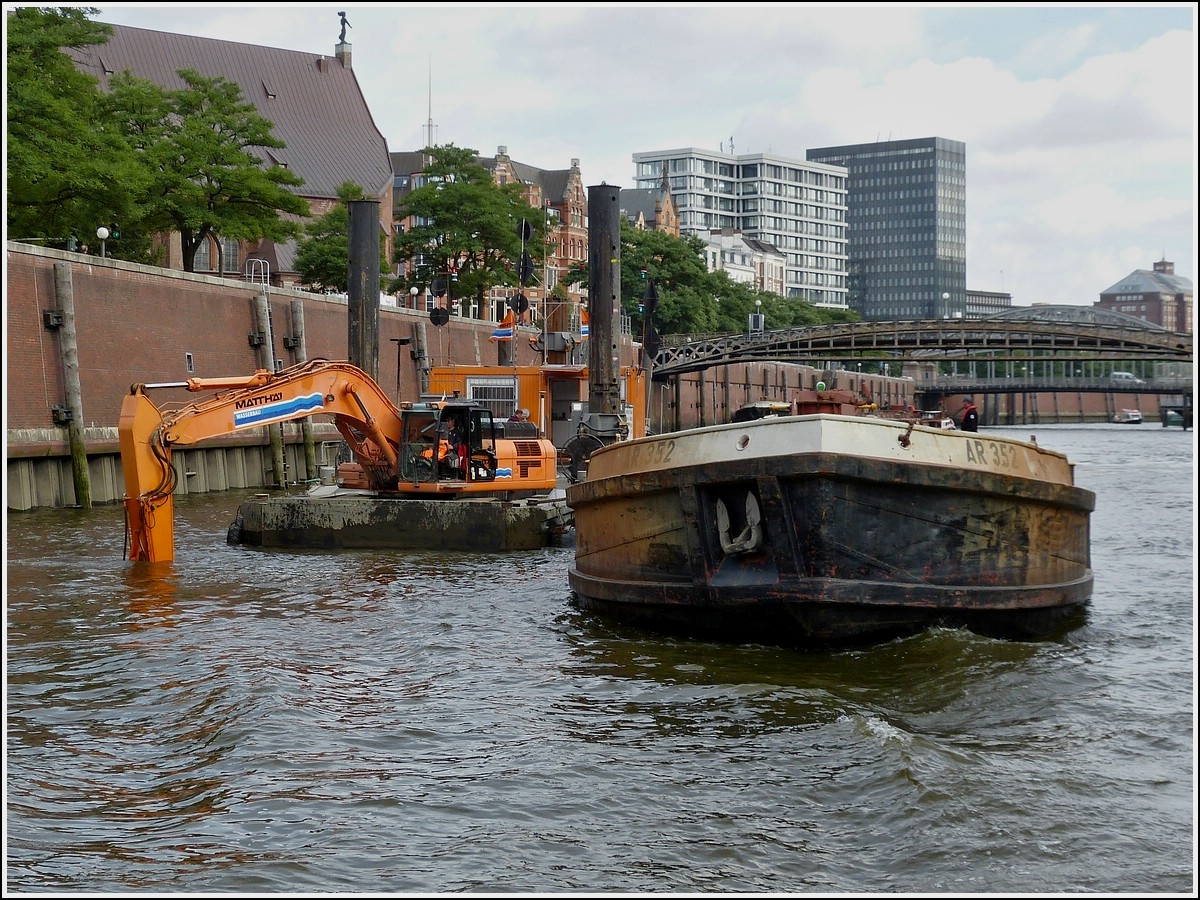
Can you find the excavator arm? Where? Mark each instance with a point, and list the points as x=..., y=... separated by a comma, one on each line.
x=361, y=411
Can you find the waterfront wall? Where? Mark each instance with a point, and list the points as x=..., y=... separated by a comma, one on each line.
x=141, y=324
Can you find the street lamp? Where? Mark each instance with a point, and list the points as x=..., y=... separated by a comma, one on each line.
x=945, y=304
x=102, y=234
x=413, y=291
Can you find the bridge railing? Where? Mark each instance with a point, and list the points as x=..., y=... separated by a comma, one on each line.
x=956, y=384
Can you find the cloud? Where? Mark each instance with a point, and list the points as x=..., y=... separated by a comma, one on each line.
x=1079, y=121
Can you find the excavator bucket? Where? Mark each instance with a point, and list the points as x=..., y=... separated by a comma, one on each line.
x=149, y=481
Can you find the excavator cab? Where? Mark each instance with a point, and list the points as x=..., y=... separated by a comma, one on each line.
x=447, y=442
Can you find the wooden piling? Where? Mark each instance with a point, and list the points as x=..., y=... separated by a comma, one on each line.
x=69, y=349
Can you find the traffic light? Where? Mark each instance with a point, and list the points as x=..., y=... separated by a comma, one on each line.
x=643, y=273
x=114, y=230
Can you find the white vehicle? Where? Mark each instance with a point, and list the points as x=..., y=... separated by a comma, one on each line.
x=1125, y=378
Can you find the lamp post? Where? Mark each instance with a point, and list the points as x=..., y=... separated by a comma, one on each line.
x=102, y=234
x=945, y=304
x=413, y=292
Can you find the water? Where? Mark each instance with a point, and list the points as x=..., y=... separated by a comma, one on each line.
x=254, y=721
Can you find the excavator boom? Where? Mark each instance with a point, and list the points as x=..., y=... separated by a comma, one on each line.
x=147, y=434
x=394, y=451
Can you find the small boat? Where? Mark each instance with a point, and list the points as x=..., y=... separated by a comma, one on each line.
x=1128, y=417
x=832, y=524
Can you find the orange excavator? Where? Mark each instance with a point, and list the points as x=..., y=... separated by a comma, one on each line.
x=440, y=449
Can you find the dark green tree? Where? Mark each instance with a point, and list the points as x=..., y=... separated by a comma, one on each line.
x=202, y=148
x=69, y=169
x=323, y=253
x=467, y=230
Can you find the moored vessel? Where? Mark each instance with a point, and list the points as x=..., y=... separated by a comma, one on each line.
x=1128, y=417
x=832, y=528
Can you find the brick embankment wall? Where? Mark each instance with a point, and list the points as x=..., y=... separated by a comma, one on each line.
x=141, y=324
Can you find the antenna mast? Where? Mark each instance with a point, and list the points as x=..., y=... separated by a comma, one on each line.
x=429, y=126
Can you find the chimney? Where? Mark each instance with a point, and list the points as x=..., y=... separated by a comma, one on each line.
x=343, y=52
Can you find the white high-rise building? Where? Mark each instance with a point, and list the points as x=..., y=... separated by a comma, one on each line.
x=796, y=206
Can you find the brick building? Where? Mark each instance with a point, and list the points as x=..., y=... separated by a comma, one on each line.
x=560, y=195
x=1159, y=296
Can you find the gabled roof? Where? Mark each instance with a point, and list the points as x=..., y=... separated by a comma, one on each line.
x=1144, y=281
x=555, y=183
x=313, y=101
x=639, y=200
x=763, y=247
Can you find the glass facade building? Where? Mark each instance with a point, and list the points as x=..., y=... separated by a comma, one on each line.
x=798, y=207
x=906, y=227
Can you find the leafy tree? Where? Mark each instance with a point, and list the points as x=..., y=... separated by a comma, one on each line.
x=200, y=147
x=69, y=170
x=323, y=253
x=466, y=225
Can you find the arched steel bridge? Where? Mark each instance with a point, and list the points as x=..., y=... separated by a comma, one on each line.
x=1045, y=332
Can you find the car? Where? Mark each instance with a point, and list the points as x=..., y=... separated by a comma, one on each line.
x=1125, y=378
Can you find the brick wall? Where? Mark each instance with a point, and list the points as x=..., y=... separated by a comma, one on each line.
x=138, y=323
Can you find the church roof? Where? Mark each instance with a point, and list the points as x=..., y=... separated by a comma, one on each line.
x=312, y=100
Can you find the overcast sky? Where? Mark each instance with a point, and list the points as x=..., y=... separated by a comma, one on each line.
x=1079, y=121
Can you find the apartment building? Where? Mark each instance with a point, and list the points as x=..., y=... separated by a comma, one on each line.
x=906, y=227
x=797, y=207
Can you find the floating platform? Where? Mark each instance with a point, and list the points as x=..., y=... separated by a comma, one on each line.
x=329, y=517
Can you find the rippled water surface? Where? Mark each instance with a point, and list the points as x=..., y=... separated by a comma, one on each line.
x=249, y=720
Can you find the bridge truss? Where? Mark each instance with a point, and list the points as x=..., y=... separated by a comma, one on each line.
x=997, y=338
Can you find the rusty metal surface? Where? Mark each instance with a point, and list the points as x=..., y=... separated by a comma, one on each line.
x=823, y=547
x=782, y=439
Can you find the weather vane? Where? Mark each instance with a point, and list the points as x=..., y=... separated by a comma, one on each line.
x=345, y=24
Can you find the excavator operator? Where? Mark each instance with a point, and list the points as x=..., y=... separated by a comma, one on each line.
x=456, y=440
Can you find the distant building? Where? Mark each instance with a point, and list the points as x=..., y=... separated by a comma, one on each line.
x=797, y=207
x=745, y=260
x=981, y=304
x=316, y=108
x=906, y=227
x=651, y=208
x=1159, y=296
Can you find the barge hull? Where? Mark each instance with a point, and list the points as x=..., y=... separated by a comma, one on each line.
x=823, y=548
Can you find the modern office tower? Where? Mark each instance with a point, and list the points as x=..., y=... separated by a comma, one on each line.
x=795, y=206
x=906, y=227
